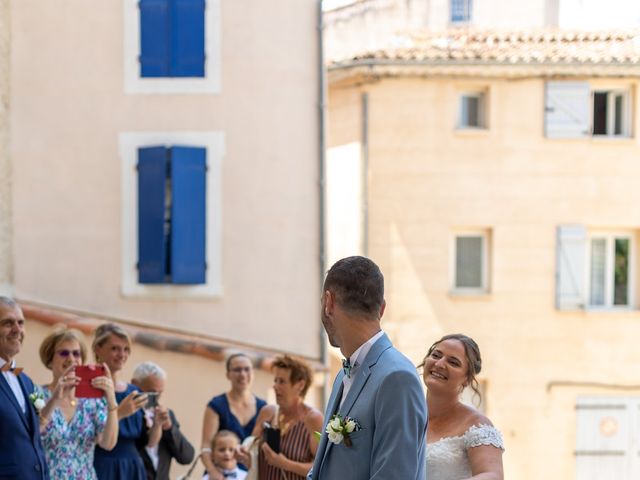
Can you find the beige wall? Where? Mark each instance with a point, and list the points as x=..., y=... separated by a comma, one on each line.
x=68, y=108
x=191, y=381
x=5, y=164
x=427, y=180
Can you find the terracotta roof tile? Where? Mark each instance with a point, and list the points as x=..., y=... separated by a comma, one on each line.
x=531, y=47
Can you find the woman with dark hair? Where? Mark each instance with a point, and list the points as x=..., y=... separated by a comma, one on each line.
x=295, y=420
x=235, y=410
x=461, y=442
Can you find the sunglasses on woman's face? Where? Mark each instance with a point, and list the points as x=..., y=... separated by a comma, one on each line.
x=66, y=353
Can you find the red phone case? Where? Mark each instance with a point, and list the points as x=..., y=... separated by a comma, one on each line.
x=86, y=374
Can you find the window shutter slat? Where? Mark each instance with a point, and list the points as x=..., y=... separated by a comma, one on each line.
x=570, y=267
x=188, y=176
x=567, y=109
x=188, y=26
x=155, y=38
x=152, y=250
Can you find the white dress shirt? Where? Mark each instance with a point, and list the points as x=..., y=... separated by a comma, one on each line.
x=356, y=359
x=13, y=382
x=151, y=451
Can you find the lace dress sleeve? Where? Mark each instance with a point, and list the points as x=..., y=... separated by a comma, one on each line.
x=479, y=435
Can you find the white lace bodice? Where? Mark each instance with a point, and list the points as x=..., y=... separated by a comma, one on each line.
x=447, y=459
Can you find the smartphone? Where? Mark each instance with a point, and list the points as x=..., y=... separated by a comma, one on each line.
x=86, y=373
x=272, y=437
x=152, y=400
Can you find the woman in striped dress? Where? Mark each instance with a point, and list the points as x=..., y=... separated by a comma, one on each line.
x=296, y=420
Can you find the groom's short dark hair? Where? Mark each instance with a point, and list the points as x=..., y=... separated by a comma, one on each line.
x=358, y=285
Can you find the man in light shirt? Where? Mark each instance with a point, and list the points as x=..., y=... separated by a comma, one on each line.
x=150, y=378
x=376, y=417
x=21, y=453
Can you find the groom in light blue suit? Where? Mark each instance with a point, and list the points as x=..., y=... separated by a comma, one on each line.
x=379, y=387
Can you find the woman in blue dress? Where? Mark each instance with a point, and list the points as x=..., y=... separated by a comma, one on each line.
x=235, y=410
x=112, y=346
x=70, y=426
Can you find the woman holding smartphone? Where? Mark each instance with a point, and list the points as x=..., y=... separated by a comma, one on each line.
x=70, y=426
x=112, y=346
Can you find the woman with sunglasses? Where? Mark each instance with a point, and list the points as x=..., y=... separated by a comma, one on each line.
x=70, y=426
x=235, y=410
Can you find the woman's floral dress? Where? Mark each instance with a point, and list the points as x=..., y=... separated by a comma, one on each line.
x=69, y=446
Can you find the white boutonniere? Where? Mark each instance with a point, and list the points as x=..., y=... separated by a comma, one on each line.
x=340, y=428
x=37, y=399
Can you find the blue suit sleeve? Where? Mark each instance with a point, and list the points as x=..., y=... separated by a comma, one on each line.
x=401, y=420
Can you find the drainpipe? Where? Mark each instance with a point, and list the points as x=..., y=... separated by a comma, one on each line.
x=322, y=107
x=365, y=174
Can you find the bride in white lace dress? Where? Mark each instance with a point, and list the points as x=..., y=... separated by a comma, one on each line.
x=461, y=442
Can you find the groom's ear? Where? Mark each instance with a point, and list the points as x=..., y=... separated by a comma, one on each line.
x=382, y=307
x=329, y=303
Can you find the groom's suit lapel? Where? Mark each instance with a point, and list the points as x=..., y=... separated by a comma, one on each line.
x=361, y=378
x=363, y=373
x=332, y=407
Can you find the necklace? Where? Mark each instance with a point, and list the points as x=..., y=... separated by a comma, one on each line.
x=285, y=421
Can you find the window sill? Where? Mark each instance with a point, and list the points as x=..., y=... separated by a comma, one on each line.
x=591, y=309
x=471, y=131
x=172, y=292
x=619, y=139
x=470, y=294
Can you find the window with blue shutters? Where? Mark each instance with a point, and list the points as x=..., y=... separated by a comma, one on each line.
x=172, y=38
x=172, y=215
x=460, y=11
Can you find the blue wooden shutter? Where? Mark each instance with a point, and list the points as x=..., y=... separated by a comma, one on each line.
x=188, y=214
x=155, y=36
x=152, y=251
x=460, y=11
x=570, y=267
x=187, y=39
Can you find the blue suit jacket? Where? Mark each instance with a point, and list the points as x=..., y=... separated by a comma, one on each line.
x=388, y=401
x=21, y=453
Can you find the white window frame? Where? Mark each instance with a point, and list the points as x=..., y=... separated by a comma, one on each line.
x=135, y=84
x=482, y=97
x=610, y=238
x=128, y=143
x=626, y=112
x=484, y=234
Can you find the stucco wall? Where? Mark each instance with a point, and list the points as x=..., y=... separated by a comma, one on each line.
x=427, y=179
x=5, y=163
x=68, y=108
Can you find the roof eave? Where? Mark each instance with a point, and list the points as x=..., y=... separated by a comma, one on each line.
x=374, y=69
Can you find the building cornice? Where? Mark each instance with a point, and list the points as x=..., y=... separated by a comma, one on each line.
x=157, y=338
x=370, y=70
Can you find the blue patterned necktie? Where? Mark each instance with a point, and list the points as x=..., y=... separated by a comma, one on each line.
x=346, y=366
x=230, y=474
